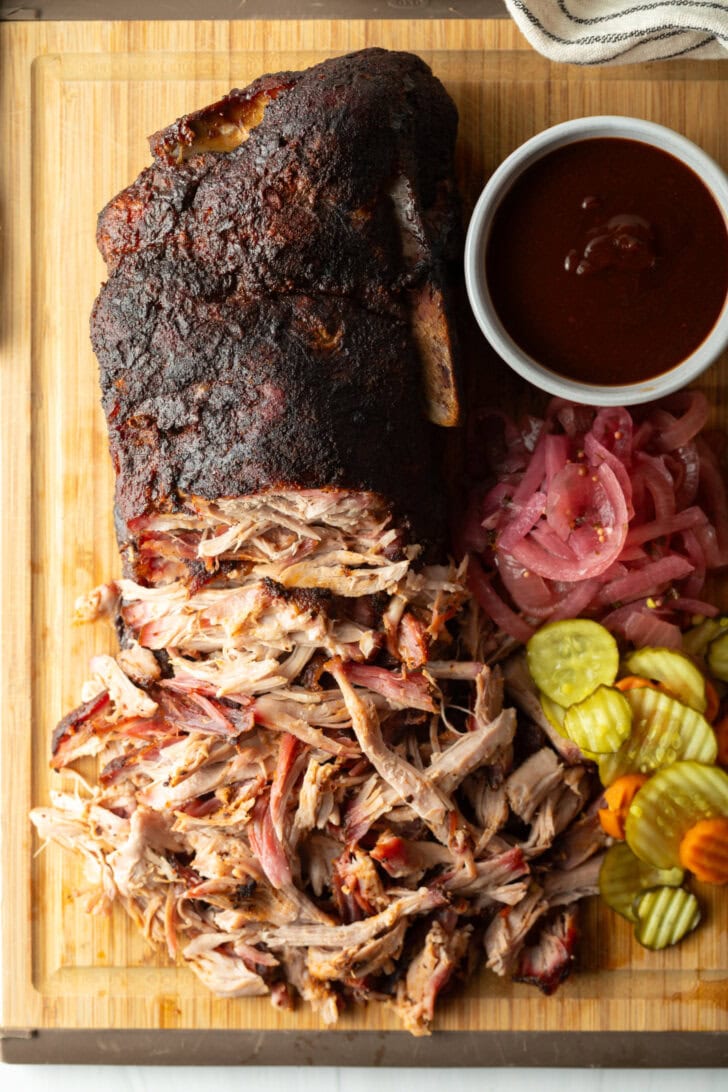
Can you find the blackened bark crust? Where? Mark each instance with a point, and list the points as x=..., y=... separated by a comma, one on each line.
x=255, y=330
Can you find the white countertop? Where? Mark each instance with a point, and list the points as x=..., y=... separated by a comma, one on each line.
x=299, y=1079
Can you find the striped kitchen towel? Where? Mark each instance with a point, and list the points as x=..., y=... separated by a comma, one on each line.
x=617, y=31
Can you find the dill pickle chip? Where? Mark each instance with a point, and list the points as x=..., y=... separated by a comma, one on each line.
x=696, y=640
x=664, y=916
x=718, y=657
x=664, y=730
x=623, y=878
x=571, y=658
x=672, y=801
x=601, y=722
x=674, y=670
x=555, y=714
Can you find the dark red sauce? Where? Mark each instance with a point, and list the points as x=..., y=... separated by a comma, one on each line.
x=608, y=261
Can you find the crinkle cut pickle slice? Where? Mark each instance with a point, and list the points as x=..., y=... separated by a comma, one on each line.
x=569, y=659
x=601, y=722
x=674, y=670
x=664, y=730
x=673, y=800
x=623, y=879
x=664, y=916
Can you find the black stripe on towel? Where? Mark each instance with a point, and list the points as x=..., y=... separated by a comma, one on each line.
x=613, y=38
x=594, y=19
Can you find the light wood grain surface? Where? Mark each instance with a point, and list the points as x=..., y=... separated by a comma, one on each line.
x=78, y=101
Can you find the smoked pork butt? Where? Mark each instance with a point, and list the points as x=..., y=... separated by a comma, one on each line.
x=307, y=784
x=277, y=311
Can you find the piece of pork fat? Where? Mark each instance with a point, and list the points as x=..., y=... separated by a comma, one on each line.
x=557, y=809
x=548, y=957
x=360, y=932
x=470, y=751
x=522, y=690
x=213, y=959
x=375, y=956
x=317, y=993
x=498, y=879
x=507, y=932
x=432, y=806
x=139, y=664
x=427, y=975
x=530, y=784
x=561, y=887
x=403, y=858
x=357, y=887
x=277, y=532
x=490, y=807
x=583, y=838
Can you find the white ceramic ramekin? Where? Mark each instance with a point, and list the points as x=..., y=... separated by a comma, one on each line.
x=477, y=241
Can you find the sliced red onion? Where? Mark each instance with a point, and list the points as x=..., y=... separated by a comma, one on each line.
x=695, y=607
x=693, y=585
x=524, y=517
x=612, y=428
x=647, y=581
x=556, y=455
x=569, y=500
x=684, y=465
x=647, y=628
x=530, y=592
x=543, y=536
x=606, y=508
x=535, y=558
x=713, y=488
x=651, y=476
x=576, y=601
x=534, y=475
x=496, y=609
x=693, y=410
x=668, y=525
x=597, y=453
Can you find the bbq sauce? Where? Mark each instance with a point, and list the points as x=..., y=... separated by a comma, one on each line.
x=608, y=261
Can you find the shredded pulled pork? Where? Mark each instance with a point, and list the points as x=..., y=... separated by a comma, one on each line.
x=306, y=783
x=604, y=513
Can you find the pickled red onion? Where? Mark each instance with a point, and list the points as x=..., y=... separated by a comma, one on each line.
x=614, y=515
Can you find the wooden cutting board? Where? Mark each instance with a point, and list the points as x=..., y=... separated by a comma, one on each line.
x=78, y=103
